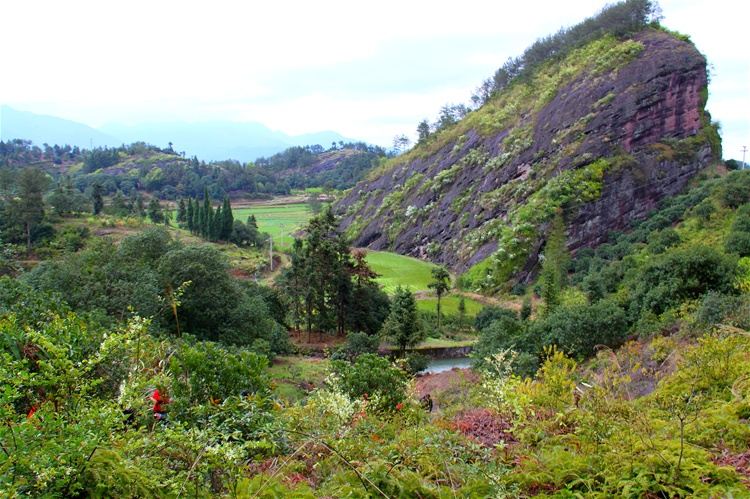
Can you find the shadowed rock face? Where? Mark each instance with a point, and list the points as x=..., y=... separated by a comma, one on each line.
x=629, y=113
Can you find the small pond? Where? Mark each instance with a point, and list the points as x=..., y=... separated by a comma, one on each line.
x=440, y=365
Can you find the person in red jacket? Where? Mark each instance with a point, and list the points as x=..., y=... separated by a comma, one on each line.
x=160, y=402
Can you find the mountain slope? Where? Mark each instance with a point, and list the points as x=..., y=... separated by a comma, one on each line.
x=604, y=134
x=42, y=129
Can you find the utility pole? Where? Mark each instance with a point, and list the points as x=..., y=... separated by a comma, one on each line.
x=744, y=150
x=270, y=250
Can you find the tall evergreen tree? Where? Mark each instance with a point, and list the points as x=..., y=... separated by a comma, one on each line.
x=32, y=183
x=554, y=267
x=181, y=212
x=207, y=215
x=441, y=283
x=197, y=217
x=402, y=325
x=96, y=197
x=155, y=212
x=189, y=213
x=216, y=224
x=227, y=220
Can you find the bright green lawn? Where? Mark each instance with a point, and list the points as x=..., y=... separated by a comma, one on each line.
x=401, y=270
x=449, y=305
x=280, y=221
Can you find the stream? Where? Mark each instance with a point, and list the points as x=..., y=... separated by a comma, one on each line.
x=440, y=365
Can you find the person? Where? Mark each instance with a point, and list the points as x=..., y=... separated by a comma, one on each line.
x=427, y=402
x=160, y=402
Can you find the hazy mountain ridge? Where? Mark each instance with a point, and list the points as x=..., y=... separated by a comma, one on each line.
x=210, y=141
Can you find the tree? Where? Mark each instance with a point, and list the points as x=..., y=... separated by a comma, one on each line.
x=314, y=203
x=155, y=212
x=461, y=310
x=441, y=283
x=555, y=264
x=32, y=183
x=181, y=212
x=402, y=325
x=400, y=143
x=227, y=220
x=189, y=214
x=423, y=131
x=96, y=198
x=206, y=214
x=216, y=224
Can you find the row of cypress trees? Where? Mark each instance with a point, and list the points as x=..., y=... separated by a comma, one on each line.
x=203, y=220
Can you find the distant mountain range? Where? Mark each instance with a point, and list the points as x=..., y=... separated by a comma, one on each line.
x=211, y=140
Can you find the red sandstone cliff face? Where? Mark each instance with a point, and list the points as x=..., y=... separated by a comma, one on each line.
x=636, y=116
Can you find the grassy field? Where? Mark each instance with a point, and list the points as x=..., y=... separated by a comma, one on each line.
x=449, y=305
x=400, y=270
x=280, y=221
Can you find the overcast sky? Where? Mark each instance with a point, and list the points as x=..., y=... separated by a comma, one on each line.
x=366, y=70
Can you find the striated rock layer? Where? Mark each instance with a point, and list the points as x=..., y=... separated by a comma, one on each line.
x=604, y=135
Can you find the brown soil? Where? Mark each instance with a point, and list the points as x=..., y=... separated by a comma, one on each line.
x=446, y=380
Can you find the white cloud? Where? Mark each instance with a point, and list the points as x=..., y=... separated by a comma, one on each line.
x=281, y=62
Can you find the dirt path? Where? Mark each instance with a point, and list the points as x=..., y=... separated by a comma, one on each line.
x=442, y=384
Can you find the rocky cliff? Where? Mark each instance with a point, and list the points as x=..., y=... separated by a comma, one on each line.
x=602, y=134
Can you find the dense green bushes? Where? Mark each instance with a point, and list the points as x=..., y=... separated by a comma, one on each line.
x=76, y=417
x=578, y=330
x=680, y=275
x=185, y=288
x=373, y=378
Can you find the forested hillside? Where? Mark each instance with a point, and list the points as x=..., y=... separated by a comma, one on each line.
x=167, y=175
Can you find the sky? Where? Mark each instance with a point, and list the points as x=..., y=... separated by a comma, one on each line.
x=369, y=70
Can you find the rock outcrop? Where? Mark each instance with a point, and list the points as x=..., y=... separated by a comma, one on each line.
x=603, y=135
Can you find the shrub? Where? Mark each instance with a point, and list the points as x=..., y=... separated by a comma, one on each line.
x=717, y=308
x=680, y=275
x=356, y=345
x=577, y=330
x=662, y=240
x=205, y=373
x=738, y=243
x=416, y=362
x=488, y=315
x=736, y=189
x=505, y=332
x=372, y=377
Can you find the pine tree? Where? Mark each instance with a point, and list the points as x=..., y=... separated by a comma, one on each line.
x=402, y=325
x=181, y=212
x=461, y=311
x=96, y=198
x=32, y=183
x=207, y=215
x=155, y=211
x=216, y=224
x=197, y=217
x=252, y=222
x=227, y=220
x=189, y=213
x=441, y=280
x=554, y=268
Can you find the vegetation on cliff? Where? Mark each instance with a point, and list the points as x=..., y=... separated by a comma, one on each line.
x=560, y=134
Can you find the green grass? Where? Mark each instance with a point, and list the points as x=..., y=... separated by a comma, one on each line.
x=444, y=343
x=449, y=305
x=288, y=372
x=280, y=221
x=398, y=270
